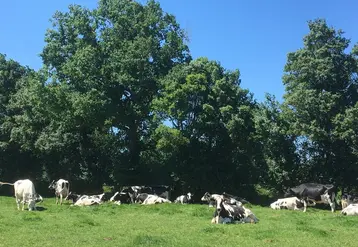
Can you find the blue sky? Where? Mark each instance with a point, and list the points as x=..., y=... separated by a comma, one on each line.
x=252, y=36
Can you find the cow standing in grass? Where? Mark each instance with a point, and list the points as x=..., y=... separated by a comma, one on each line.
x=62, y=189
x=24, y=193
x=316, y=193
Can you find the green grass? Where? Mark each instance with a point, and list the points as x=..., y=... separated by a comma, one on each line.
x=168, y=225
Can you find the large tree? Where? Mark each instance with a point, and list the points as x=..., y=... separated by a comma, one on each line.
x=101, y=70
x=320, y=81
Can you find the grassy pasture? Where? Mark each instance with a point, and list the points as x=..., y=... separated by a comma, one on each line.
x=168, y=225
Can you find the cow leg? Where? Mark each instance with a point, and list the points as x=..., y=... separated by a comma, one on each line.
x=331, y=201
x=61, y=199
x=304, y=205
x=56, y=199
x=18, y=203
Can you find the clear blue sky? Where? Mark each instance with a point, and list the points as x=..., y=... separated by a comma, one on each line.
x=253, y=36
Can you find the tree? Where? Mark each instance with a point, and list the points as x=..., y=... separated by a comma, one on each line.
x=213, y=121
x=320, y=84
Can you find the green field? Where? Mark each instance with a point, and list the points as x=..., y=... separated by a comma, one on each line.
x=168, y=225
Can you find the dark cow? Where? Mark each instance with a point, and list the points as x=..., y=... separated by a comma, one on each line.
x=228, y=210
x=316, y=193
x=121, y=197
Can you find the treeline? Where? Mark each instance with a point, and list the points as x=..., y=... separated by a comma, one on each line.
x=120, y=101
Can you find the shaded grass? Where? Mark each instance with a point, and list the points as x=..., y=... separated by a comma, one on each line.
x=168, y=225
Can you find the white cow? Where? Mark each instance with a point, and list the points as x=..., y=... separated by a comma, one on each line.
x=62, y=189
x=148, y=199
x=24, y=193
x=351, y=209
x=291, y=203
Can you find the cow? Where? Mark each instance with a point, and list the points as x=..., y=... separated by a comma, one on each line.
x=229, y=210
x=148, y=199
x=24, y=193
x=159, y=190
x=351, y=209
x=210, y=198
x=291, y=203
x=62, y=189
x=95, y=198
x=121, y=197
x=347, y=199
x=314, y=192
x=184, y=199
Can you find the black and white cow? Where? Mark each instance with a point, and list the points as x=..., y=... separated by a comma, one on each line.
x=159, y=190
x=148, y=199
x=121, y=197
x=314, y=192
x=184, y=199
x=350, y=210
x=211, y=198
x=228, y=210
x=62, y=189
x=86, y=200
x=291, y=203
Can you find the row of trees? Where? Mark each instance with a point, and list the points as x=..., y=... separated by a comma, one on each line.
x=120, y=101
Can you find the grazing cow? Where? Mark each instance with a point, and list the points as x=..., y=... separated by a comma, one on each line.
x=317, y=193
x=351, y=209
x=62, y=189
x=184, y=199
x=291, y=203
x=211, y=198
x=24, y=193
x=232, y=211
x=148, y=199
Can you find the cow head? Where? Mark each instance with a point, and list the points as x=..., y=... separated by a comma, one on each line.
x=288, y=193
x=189, y=196
x=206, y=197
x=38, y=198
x=52, y=185
x=73, y=196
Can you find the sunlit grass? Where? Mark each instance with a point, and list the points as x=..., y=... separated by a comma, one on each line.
x=167, y=225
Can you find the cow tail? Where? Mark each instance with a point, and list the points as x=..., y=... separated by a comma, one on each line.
x=2, y=183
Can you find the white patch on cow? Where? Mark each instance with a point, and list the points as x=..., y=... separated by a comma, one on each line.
x=287, y=203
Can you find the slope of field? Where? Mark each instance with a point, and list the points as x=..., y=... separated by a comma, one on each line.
x=168, y=225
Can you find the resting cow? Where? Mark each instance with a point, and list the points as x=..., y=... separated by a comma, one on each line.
x=147, y=199
x=184, y=199
x=211, y=198
x=347, y=200
x=62, y=189
x=291, y=203
x=232, y=211
x=317, y=193
x=25, y=193
x=351, y=209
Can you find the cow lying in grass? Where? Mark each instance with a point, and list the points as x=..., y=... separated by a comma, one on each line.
x=229, y=210
x=147, y=199
x=291, y=203
x=85, y=200
x=184, y=199
x=351, y=209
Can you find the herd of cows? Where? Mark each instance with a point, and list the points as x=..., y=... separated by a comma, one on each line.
x=228, y=208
